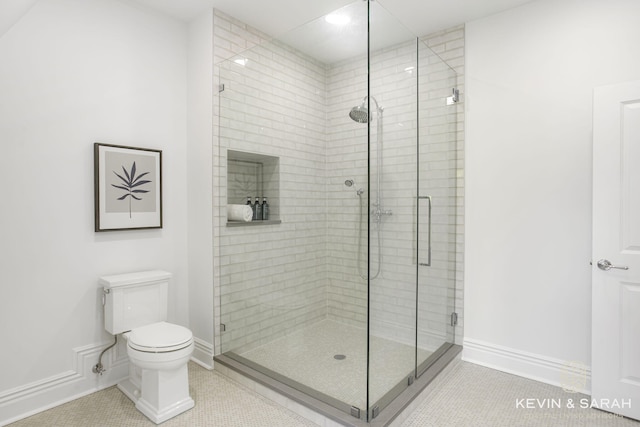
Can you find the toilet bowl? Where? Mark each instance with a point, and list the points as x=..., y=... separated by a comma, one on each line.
x=158, y=376
x=136, y=307
x=160, y=345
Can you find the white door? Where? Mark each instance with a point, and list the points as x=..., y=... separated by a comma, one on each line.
x=615, y=350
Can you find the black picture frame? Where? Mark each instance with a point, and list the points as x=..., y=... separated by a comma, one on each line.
x=127, y=187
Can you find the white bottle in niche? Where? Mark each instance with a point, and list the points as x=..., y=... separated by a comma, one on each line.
x=265, y=209
x=257, y=212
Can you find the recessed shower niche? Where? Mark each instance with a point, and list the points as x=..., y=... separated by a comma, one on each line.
x=253, y=175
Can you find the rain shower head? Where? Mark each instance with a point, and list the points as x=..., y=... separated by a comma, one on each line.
x=360, y=113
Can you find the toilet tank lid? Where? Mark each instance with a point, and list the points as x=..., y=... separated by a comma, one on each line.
x=128, y=279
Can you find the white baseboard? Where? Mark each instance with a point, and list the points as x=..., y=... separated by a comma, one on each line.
x=27, y=400
x=528, y=365
x=203, y=353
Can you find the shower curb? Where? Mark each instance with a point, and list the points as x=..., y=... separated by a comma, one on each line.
x=396, y=412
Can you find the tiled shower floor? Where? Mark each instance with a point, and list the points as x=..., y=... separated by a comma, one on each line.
x=307, y=356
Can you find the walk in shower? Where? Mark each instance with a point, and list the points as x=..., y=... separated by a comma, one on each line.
x=346, y=292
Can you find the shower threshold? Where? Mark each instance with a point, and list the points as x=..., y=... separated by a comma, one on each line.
x=328, y=406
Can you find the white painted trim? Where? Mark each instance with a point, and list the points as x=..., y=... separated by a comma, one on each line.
x=38, y=396
x=202, y=353
x=528, y=365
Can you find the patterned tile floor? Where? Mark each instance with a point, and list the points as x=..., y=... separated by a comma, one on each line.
x=307, y=356
x=220, y=401
x=471, y=395
x=467, y=396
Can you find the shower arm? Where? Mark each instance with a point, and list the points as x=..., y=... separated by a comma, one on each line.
x=379, y=109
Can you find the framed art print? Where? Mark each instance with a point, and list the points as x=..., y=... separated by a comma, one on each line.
x=128, y=187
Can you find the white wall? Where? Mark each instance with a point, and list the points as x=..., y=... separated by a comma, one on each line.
x=73, y=73
x=200, y=190
x=530, y=76
x=12, y=12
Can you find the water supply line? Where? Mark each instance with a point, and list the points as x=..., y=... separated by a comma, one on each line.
x=99, y=369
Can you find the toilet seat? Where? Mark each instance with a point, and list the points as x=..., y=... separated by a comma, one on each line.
x=161, y=337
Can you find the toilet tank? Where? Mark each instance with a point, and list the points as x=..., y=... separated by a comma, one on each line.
x=134, y=299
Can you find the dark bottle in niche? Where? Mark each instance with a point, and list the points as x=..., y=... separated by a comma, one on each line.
x=265, y=209
x=257, y=212
x=253, y=207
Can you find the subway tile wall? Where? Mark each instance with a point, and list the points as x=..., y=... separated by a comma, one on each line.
x=272, y=279
x=392, y=241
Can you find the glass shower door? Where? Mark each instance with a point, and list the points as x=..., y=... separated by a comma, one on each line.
x=436, y=208
x=412, y=217
x=293, y=294
x=345, y=292
x=393, y=79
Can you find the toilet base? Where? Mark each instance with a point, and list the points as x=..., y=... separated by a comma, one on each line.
x=129, y=389
x=159, y=395
x=160, y=416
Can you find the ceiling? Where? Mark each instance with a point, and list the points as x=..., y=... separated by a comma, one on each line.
x=11, y=11
x=276, y=17
x=281, y=18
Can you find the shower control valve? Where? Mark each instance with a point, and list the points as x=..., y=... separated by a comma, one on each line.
x=380, y=212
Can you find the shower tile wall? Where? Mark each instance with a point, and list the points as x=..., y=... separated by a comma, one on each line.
x=393, y=292
x=272, y=278
x=305, y=269
x=230, y=37
x=346, y=159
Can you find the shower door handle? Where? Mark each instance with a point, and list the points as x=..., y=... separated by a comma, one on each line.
x=428, y=263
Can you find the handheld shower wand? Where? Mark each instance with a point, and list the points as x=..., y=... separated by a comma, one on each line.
x=349, y=183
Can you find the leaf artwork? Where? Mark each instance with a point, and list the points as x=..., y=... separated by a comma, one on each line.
x=130, y=182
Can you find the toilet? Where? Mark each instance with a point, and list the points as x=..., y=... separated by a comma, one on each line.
x=135, y=306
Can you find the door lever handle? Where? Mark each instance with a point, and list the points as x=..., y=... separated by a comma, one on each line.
x=605, y=264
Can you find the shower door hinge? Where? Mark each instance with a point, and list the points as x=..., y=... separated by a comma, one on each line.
x=355, y=412
x=221, y=88
x=454, y=318
x=454, y=98
x=375, y=411
x=223, y=327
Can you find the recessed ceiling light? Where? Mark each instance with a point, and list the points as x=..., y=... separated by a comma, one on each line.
x=337, y=19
